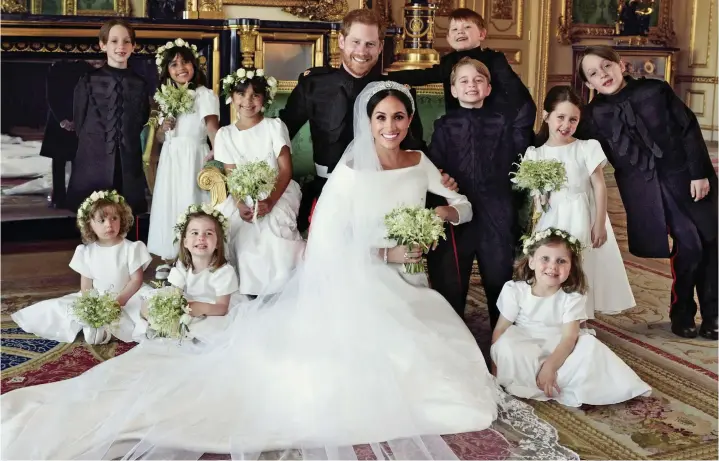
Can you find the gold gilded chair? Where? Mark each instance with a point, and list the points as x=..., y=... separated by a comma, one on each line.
x=212, y=178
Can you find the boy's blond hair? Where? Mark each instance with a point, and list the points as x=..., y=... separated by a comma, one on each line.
x=465, y=14
x=467, y=61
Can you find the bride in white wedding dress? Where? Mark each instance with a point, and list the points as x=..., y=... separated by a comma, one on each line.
x=350, y=351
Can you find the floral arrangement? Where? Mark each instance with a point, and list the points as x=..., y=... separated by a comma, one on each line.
x=168, y=313
x=84, y=211
x=200, y=208
x=414, y=227
x=160, y=54
x=241, y=75
x=174, y=100
x=252, y=182
x=572, y=242
x=95, y=309
x=540, y=177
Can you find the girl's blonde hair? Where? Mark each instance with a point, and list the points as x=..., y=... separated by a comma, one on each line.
x=575, y=283
x=218, y=257
x=122, y=209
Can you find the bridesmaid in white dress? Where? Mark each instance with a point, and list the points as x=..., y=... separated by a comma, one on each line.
x=107, y=262
x=348, y=352
x=580, y=207
x=184, y=151
x=266, y=251
x=538, y=348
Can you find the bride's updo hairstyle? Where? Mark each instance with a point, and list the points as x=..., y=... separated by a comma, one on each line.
x=382, y=94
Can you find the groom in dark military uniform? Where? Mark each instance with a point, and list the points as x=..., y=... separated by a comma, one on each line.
x=325, y=97
x=60, y=141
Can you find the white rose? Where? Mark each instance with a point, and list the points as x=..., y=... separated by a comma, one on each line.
x=272, y=81
x=80, y=213
x=240, y=73
x=260, y=72
x=250, y=74
x=228, y=100
x=168, y=45
x=179, y=42
x=158, y=61
x=116, y=199
x=572, y=240
x=194, y=47
x=94, y=196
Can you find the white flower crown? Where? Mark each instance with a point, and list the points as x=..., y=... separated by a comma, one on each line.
x=574, y=245
x=169, y=45
x=240, y=76
x=200, y=208
x=84, y=210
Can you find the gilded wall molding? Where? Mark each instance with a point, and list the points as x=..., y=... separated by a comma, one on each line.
x=693, y=33
x=503, y=10
x=319, y=10
x=690, y=94
x=13, y=6
x=540, y=82
x=697, y=79
x=560, y=78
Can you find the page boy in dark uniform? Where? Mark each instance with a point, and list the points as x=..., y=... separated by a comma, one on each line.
x=111, y=107
x=665, y=177
x=60, y=141
x=475, y=145
x=325, y=97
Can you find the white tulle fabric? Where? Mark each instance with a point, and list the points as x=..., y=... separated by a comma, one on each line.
x=346, y=353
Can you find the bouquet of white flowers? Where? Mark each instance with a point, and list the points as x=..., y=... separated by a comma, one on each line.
x=540, y=177
x=174, y=100
x=95, y=309
x=168, y=313
x=414, y=227
x=252, y=182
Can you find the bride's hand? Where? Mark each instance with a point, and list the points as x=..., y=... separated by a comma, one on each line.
x=402, y=254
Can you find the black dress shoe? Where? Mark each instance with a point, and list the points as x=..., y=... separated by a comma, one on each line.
x=709, y=329
x=684, y=330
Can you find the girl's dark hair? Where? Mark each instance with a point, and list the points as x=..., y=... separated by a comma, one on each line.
x=218, y=258
x=104, y=35
x=575, y=283
x=259, y=86
x=98, y=207
x=556, y=95
x=603, y=51
x=198, y=79
x=382, y=94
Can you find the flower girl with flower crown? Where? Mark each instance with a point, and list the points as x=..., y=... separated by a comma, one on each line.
x=186, y=125
x=107, y=262
x=264, y=241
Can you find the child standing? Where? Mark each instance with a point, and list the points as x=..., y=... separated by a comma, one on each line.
x=466, y=32
x=666, y=180
x=184, y=148
x=580, y=207
x=111, y=106
x=266, y=251
x=107, y=262
x=201, y=270
x=473, y=145
x=538, y=351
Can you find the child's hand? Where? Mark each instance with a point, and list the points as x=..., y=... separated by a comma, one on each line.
x=246, y=212
x=209, y=156
x=599, y=234
x=494, y=369
x=265, y=206
x=168, y=124
x=699, y=189
x=547, y=379
x=67, y=125
x=448, y=182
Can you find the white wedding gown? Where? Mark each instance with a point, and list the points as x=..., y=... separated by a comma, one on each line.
x=347, y=353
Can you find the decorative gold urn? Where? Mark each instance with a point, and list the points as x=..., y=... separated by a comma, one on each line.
x=414, y=47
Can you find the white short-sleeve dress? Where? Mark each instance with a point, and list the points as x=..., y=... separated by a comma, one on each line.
x=592, y=374
x=264, y=252
x=181, y=160
x=110, y=269
x=573, y=210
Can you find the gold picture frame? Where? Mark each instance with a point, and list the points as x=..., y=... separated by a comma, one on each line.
x=79, y=8
x=569, y=32
x=315, y=10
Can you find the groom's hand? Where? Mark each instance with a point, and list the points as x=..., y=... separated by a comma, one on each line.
x=448, y=182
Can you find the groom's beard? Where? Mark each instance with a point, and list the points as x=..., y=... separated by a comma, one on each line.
x=352, y=63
